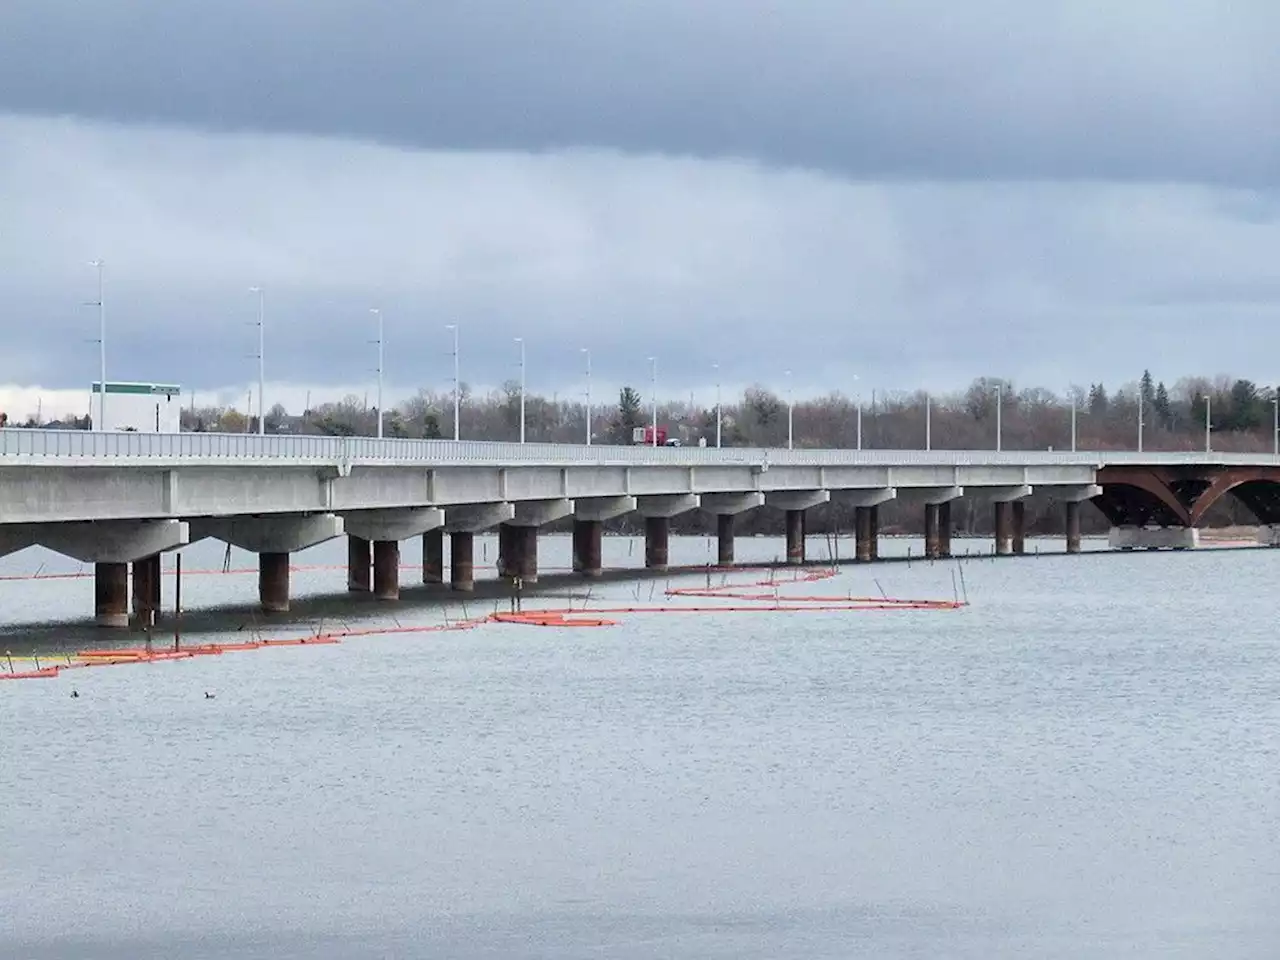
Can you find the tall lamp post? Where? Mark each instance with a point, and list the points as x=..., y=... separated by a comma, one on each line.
x=1073, y=421
x=101, y=304
x=928, y=422
x=1208, y=443
x=457, y=397
x=378, y=313
x=999, y=417
x=262, y=361
x=719, y=408
x=520, y=341
x=653, y=396
x=587, y=353
x=790, y=414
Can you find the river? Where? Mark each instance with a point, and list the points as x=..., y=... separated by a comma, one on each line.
x=1082, y=763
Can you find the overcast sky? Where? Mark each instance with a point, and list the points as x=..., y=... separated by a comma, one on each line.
x=911, y=193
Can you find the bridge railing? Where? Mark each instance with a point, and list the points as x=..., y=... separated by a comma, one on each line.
x=54, y=445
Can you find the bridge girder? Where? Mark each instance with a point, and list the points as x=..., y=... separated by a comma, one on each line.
x=1181, y=496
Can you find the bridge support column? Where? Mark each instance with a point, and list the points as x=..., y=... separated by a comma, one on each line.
x=1019, y=523
x=527, y=568
x=433, y=556
x=462, y=561
x=111, y=594
x=273, y=582
x=386, y=569
x=508, y=551
x=657, y=538
x=724, y=539
x=1004, y=527
x=358, y=565
x=1073, y=526
x=146, y=590
x=795, y=537
x=932, y=544
x=588, y=544
x=944, y=529
x=866, y=533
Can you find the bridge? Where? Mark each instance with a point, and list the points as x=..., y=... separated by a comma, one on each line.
x=115, y=499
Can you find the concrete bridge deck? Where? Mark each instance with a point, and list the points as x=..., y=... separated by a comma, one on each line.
x=119, y=498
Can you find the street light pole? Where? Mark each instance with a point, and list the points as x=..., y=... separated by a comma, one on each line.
x=378, y=313
x=790, y=413
x=928, y=422
x=587, y=352
x=999, y=417
x=653, y=389
x=1208, y=444
x=262, y=363
x=457, y=397
x=719, y=409
x=1275, y=425
x=1073, y=423
x=102, y=350
x=520, y=340
x=1140, y=406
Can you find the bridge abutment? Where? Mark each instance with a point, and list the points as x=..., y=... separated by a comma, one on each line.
x=1153, y=538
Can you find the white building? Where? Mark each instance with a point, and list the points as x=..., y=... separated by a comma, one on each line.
x=138, y=407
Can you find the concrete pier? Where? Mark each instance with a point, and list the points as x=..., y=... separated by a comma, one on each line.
x=657, y=536
x=433, y=556
x=359, y=563
x=588, y=547
x=1004, y=527
x=146, y=590
x=527, y=556
x=944, y=529
x=866, y=532
x=508, y=551
x=386, y=569
x=273, y=582
x=1019, y=531
x=1153, y=538
x=724, y=539
x=462, y=561
x=795, y=537
x=111, y=594
x=1073, y=526
x=932, y=537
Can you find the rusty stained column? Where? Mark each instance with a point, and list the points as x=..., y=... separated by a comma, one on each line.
x=724, y=539
x=386, y=569
x=932, y=547
x=1004, y=525
x=588, y=547
x=795, y=537
x=462, y=561
x=508, y=551
x=146, y=590
x=433, y=556
x=111, y=594
x=944, y=529
x=526, y=567
x=657, y=536
x=863, y=536
x=874, y=521
x=1019, y=533
x=1073, y=527
x=273, y=582
x=358, y=564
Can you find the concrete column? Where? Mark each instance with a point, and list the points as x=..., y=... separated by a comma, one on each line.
x=1073, y=527
x=657, y=534
x=386, y=569
x=526, y=567
x=795, y=537
x=146, y=589
x=1004, y=527
x=433, y=556
x=461, y=561
x=111, y=594
x=508, y=551
x=273, y=582
x=944, y=529
x=1019, y=532
x=864, y=535
x=932, y=544
x=875, y=532
x=588, y=544
x=724, y=539
x=358, y=565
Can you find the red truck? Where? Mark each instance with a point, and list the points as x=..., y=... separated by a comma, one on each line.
x=643, y=436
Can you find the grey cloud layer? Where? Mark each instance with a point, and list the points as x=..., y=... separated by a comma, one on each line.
x=995, y=89
x=904, y=285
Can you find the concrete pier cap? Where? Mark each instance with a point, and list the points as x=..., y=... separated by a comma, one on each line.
x=930, y=495
x=602, y=508
x=1005, y=494
x=114, y=541
x=392, y=524
x=477, y=517
x=796, y=499
x=273, y=534
x=871, y=497
x=538, y=513
x=667, y=505
x=1076, y=493
x=728, y=504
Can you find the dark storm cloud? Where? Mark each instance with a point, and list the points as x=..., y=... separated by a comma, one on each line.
x=996, y=89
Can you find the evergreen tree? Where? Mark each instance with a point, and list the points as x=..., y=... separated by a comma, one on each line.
x=1098, y=401
x=1147, y=389
x=1162, y=406
x=629, y=415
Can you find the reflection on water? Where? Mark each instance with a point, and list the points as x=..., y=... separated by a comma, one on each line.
x=1081, y=764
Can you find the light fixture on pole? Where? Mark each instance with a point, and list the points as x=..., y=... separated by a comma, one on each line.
x=1208, y=443
x=378, y=313
x=719, y=408
x=457, y=397
x=999, y=417
x=857, y=399
x=520, y=340
x=928, y=422
x=101, y=304
x=1140, y=406
x=790, y=414
x=262, y=412
x=653, y=396
x=587, y=353
x=1073, y=421
x=1275, y=425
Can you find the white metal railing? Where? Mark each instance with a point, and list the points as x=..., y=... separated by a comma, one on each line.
x=20, y=445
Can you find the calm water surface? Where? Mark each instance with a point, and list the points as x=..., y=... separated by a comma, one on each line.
x=1081, y=764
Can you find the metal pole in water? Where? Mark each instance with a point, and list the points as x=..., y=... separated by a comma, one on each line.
x=177, y=601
